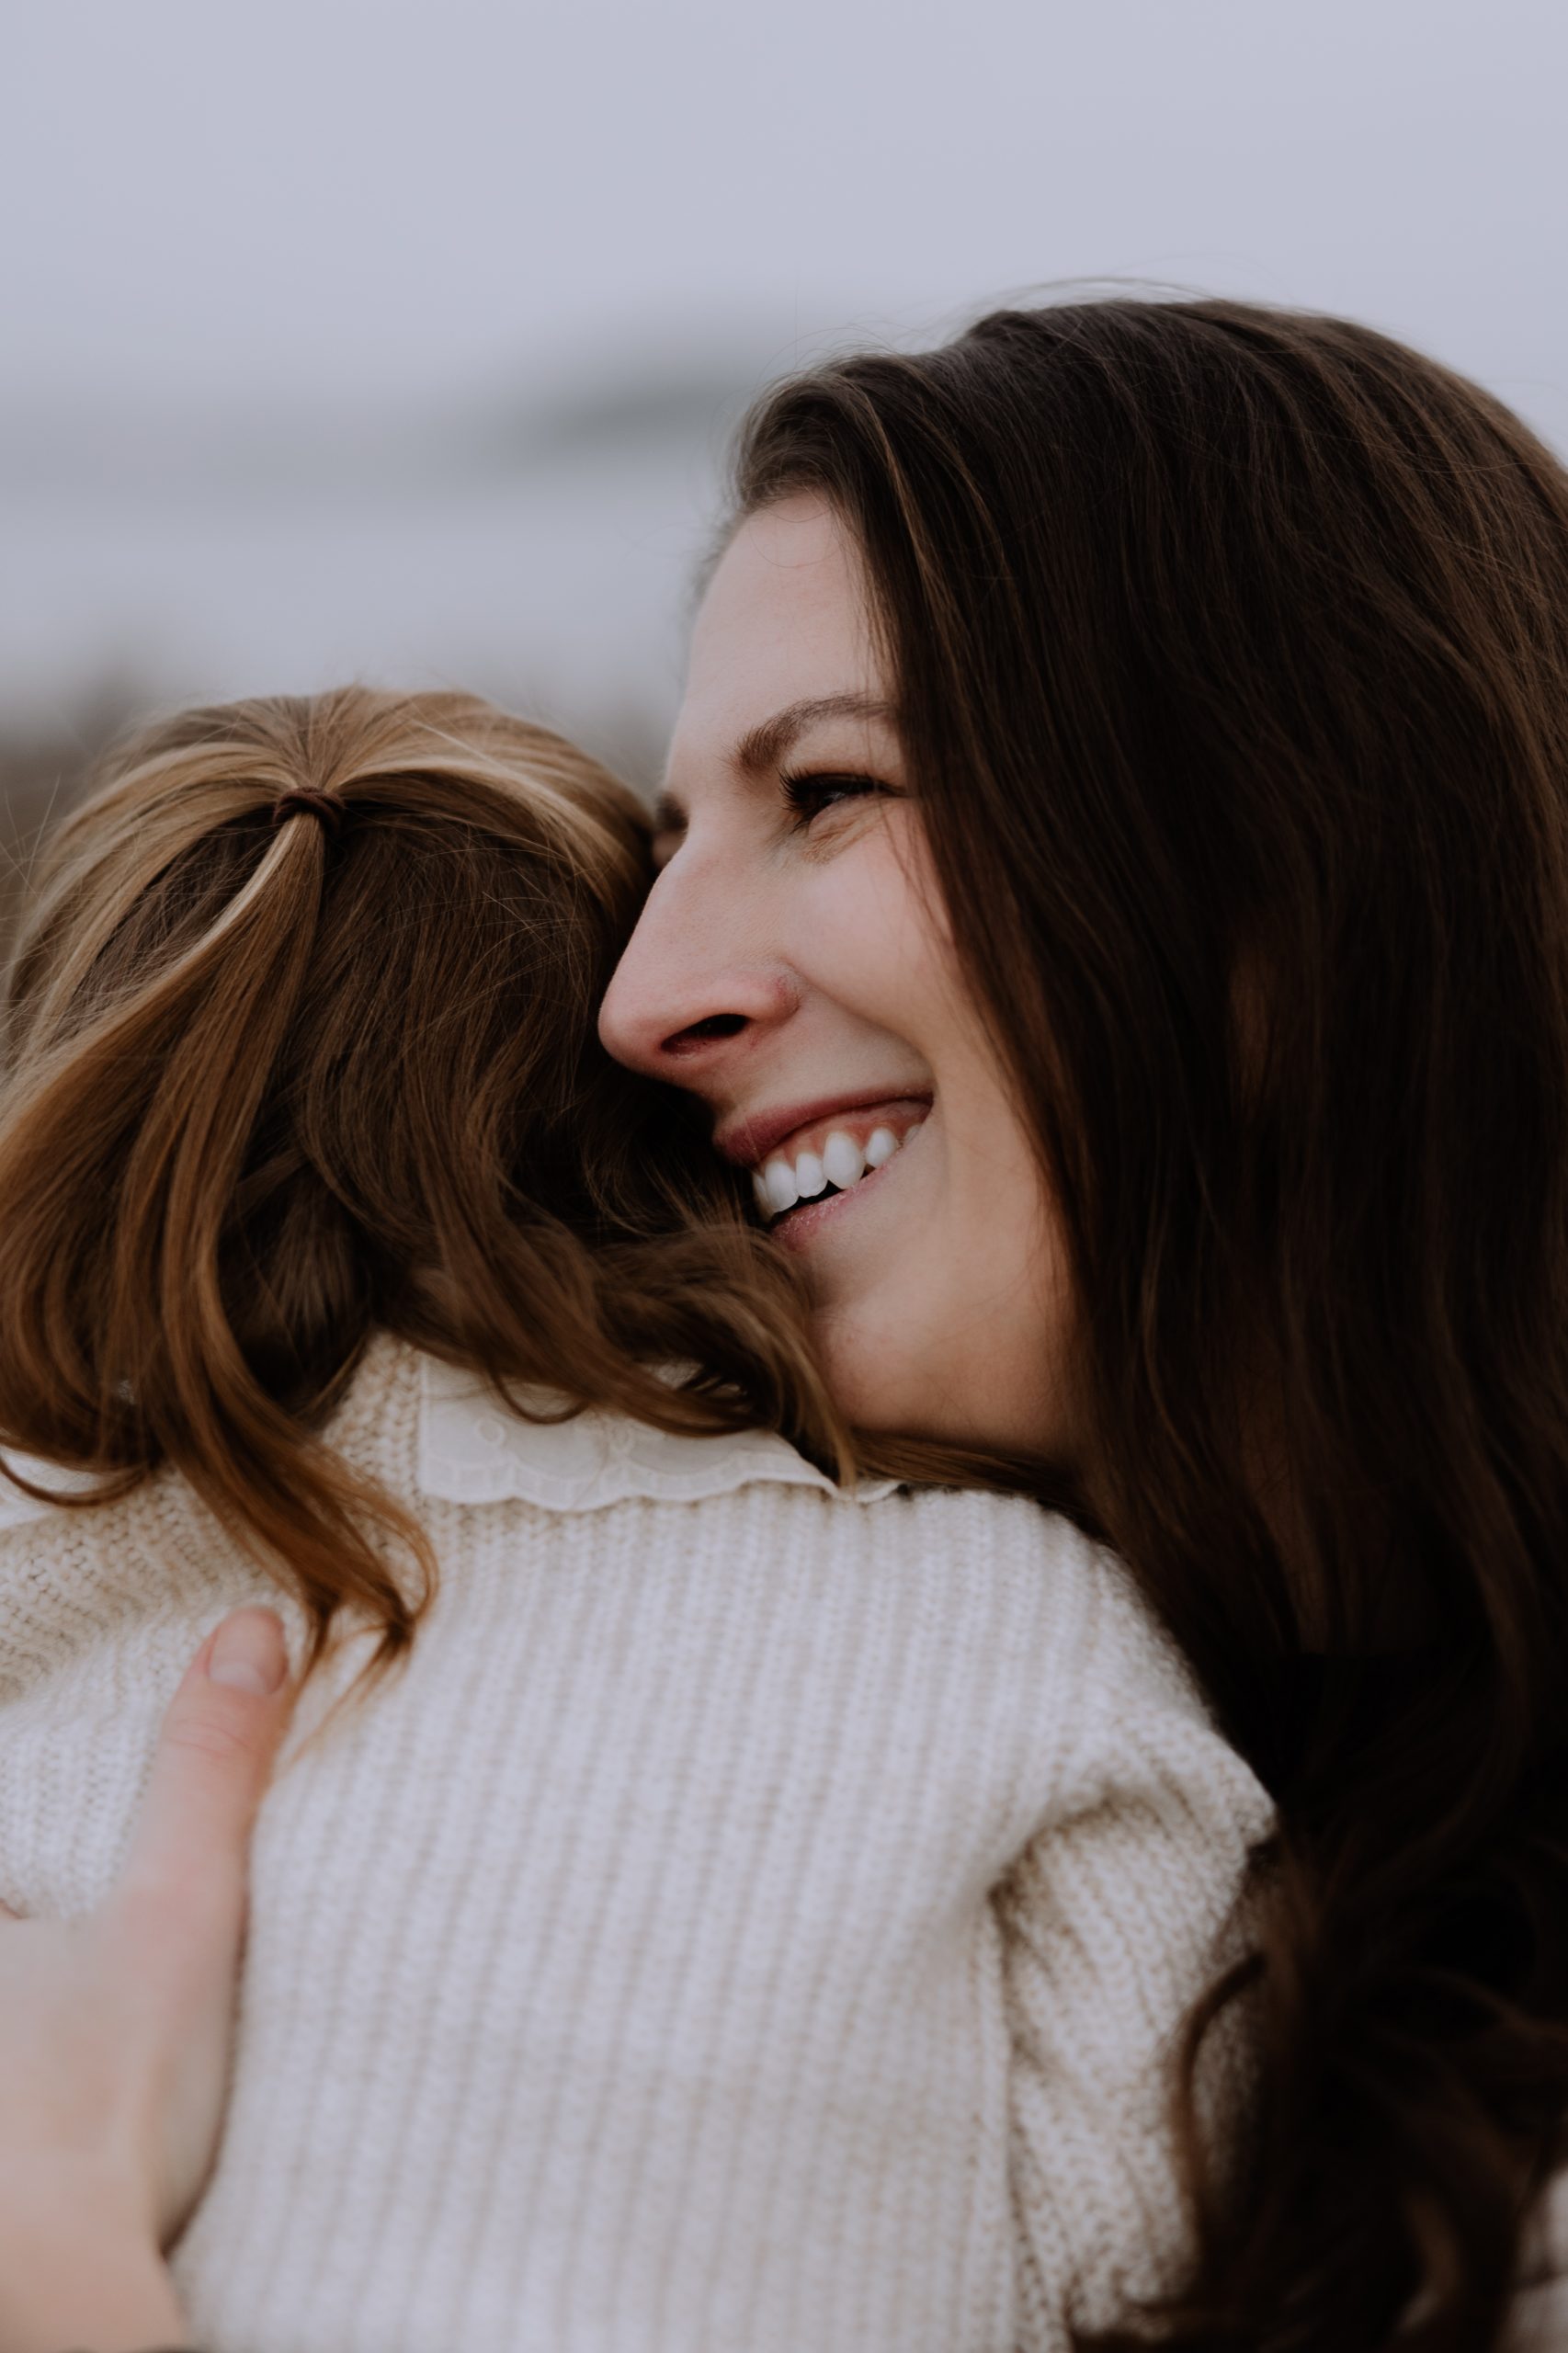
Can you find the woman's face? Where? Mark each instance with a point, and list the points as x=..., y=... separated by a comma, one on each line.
x=792, y=967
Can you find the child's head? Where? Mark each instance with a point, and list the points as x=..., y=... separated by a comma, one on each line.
x=300, y=1043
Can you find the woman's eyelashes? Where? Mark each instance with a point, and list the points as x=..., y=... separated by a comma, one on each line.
x=812, y=793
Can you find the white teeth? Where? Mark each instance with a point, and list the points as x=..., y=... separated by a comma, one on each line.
x=778, y=1181
x=841, y=1163
x=809, y=1178
x=844, y=1163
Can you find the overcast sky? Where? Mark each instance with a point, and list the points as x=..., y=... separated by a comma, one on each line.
x=367, y=197
x=214, y=211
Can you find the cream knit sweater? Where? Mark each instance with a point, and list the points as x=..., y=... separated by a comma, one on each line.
x=755, y=1922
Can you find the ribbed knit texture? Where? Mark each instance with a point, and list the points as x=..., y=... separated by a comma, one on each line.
x=749, y=1925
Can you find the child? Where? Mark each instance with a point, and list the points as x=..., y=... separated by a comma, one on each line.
x=710, y=1904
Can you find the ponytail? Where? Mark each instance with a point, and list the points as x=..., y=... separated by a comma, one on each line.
x=124, y=1136
x=300, y=1046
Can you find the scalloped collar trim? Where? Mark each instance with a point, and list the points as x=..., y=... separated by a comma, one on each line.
x=472, y=1452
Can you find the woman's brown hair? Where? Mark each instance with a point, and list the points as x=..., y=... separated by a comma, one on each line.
x=1231, y=657
x=299, y=1045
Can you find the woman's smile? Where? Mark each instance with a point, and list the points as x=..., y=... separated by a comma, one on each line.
x=821, y=1157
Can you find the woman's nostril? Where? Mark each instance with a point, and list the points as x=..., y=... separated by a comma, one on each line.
x=701, y=1033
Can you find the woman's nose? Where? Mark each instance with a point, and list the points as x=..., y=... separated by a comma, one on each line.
x=687, y=995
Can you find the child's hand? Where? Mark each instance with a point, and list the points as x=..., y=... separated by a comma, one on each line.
x=115, y=2032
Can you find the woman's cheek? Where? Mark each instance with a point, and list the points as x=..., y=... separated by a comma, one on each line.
x=874, y=937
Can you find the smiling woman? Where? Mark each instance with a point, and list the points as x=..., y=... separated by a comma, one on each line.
x=794, y=968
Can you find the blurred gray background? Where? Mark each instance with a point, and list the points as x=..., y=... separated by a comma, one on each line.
x=401, y=338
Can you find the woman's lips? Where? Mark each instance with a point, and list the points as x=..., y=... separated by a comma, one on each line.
x=750, y=1141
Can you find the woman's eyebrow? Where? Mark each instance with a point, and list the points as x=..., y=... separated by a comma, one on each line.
x=763, y=746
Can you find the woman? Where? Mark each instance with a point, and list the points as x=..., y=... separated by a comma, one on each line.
x=1202, y=673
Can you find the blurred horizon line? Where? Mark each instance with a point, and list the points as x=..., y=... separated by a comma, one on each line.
x=92, y=446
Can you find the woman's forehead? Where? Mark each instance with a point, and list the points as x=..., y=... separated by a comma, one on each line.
x=782, y=632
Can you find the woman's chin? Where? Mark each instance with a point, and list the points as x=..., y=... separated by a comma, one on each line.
x=863, y=1375
x=892, y=1382
x=877, y=1379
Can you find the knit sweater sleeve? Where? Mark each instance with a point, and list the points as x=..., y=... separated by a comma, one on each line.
x=1120, y=1913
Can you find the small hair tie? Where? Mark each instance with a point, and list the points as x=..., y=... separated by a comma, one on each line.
x=308, y=799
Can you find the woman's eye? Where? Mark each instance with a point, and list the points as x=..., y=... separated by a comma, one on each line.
x=810, y=796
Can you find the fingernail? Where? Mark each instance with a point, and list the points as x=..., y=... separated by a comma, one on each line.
x=248, y=1653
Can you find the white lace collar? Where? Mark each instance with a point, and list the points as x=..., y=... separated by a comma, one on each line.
x=471, y=1452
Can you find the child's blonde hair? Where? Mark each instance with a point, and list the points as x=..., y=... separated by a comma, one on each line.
x=300, y=1043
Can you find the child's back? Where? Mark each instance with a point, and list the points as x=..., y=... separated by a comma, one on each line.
x=752, y=1918
x=745, y=1913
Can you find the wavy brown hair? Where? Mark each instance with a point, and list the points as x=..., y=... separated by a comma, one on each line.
x=280, y=1071
x=1231, y=657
